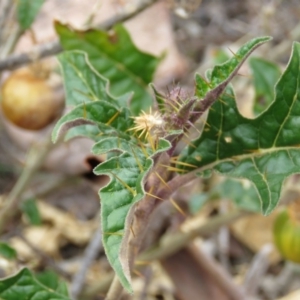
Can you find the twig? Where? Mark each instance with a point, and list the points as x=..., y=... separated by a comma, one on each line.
x=17, y=60
x=257, y=270
x=115, y=290
x=148, y=276
x=280, y=284
x=90, y=254
x=219, y=275
x=223, y=238
x=10, y=30
x=36, y=157
x=6, y=6
x=12, y=40
x=169, y=244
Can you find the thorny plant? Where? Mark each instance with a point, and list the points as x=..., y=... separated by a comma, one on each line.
x=145, y=161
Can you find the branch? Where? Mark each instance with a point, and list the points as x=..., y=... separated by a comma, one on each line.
x=90, y=255
x=257, y=270
x=169, y=244
x=115, y=290
x=172, y=242
x=35, y=159
x=49, y=49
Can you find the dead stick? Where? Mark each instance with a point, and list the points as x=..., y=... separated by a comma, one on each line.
x=49, y=49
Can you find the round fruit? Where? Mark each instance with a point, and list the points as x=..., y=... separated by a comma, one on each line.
x=28, y=101
x=287, y=236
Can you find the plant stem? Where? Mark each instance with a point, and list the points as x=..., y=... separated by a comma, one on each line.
x=115, y=290
x=171, y=243
x=17, y=60
x=90, y=254
x=9, y=46
x=138, y=217
x=35, y=158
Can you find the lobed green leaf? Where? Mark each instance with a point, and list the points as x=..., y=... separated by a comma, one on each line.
x=51, y=280
x=114, y=55
x=264, y=150
x=27, y=11
x=265, y=75
x=24, y=286
x=127, y=173
x=83, y=83
x=98, y=112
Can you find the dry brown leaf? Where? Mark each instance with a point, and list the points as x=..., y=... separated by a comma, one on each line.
x=254, y=231
x=61, y=227
x=75, y=231
x=292, y=296
x=151, y=30
x=45, y=238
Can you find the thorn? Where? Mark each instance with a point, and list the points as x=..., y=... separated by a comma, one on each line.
x=173, y=106
x=142, y=262
x=228, y=95
x=151, y=189
x=178, y=207
x=186, y=135
x=233, y=53
x=153, y=196
x=86, y=95
x=138, y=273
x=113, y=118
x=204, y=79
x=143, y=148
x=152, y=143
x=169, y=168
x=243, y=75
x=222, y=101
x=175, y=157
x=84, y=110
x=137, y=160
x=133, y=192
x=192, y=125
x=132, y=231
x=168, y=91
x=174, y=169
x=198, y=157
x=186, y=164
x=162, y=180
x=187, y=142
x=204, y=122
x=113, y=233
x=142, y=133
